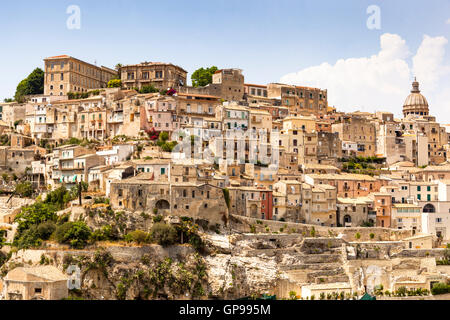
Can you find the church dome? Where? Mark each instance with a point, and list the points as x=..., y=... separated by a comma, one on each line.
x=415, y=103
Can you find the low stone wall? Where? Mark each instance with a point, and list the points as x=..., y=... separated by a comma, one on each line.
x=420, y=253
x=246, y=224
x=375, y=250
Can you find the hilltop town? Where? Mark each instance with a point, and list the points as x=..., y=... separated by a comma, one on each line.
x=156, y=189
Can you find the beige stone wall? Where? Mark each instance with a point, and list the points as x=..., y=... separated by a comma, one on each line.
x=380, y=234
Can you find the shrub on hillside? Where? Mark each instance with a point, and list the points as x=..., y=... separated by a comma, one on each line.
x=76, y=234
x=24, y=189
x=440, y=288
x=45, y=230
x=163, y=234
x=138, y=236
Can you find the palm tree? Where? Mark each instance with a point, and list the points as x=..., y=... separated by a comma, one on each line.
x=118, y=66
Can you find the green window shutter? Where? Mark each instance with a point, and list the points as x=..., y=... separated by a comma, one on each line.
x=418, y=197
x=429, y=197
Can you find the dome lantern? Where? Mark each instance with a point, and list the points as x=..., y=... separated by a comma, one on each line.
x=415, y=103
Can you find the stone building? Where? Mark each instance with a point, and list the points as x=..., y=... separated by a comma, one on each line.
x=69, y=164
x=197, y=200
x=158, y=74
x=255, y=90
x=329, y=148
x=64, y=74
x=353, y=212
x=287, y=205
x=407, y=216
x=251, y=202
x=348, y=185
x=318, y=205
x=382, y=204
x=228, y=84
x=35, y=283
x=17, y=159
x=433, y=137
x=300, y=100
x=360, y=131
x=299, y=136
x=12, y=113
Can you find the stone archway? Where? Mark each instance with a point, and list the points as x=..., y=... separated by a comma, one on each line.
x=347, y=219
x=162, y=205
x=429, y=208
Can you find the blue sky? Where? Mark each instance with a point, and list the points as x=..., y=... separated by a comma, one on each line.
x=266, y=38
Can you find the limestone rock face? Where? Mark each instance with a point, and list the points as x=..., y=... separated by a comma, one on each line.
x=235, y=265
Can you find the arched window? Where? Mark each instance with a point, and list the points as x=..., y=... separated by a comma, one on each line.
x=429, y=208
x=347, y=219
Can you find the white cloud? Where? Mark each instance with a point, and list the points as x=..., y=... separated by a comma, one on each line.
x=427, y=63
x=383, y=80
x=448, y=21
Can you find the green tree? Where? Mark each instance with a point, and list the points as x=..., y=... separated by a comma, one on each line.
x=137, y=236
x=60, y=197
x=24, y=189
x=76, y=234
x=148, y=89
x=202, y=77
x=2, y=242
x=45, y=230
x=440, y=288
x=164, y=136
x=163, y=234
x=35, y=214
x=115, y=83
x=33, y=84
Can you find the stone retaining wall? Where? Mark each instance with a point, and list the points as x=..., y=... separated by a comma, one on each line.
x=246, y=224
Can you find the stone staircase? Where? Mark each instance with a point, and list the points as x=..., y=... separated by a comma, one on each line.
x=318, y=260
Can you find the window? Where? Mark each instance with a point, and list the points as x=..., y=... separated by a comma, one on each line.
x=120, y=192
x=418, y=188
x=38, y=290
